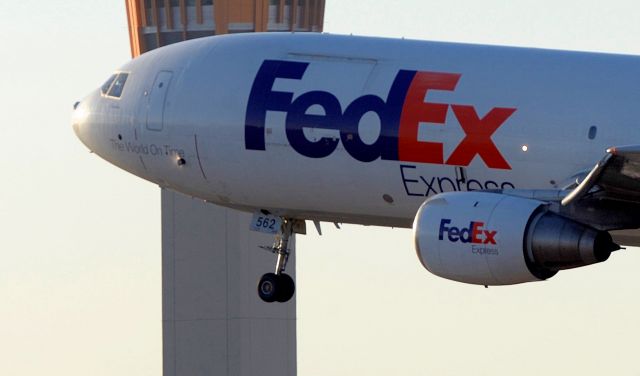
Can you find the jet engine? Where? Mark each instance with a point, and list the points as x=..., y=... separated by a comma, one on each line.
x=496, y=239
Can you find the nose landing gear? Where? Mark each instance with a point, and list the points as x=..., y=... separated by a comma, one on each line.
x=278, y=286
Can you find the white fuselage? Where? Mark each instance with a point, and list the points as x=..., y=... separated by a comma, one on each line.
x=361, y=130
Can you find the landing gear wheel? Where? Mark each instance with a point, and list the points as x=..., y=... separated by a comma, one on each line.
x=276, y=288
x=285, y=288
x=268, y=287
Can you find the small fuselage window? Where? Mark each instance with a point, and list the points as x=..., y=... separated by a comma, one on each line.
x=114, y=85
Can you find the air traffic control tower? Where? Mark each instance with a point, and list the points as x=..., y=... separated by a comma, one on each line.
x=213, y=322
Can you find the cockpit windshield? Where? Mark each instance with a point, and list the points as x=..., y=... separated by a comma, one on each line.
x=114, y=85
x=105, y=87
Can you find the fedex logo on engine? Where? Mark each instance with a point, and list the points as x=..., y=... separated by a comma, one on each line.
x=474, y=234
x=400, y=116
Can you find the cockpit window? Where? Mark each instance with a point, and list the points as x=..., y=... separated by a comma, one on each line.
x=118, y=85
x=114, y=85
x=105, y=87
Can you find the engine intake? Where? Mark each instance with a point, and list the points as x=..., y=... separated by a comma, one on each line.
x=495, y=239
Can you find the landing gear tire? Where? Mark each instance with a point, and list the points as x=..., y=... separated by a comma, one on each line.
x=286, y=288
x=276, y=288
x=268, y=287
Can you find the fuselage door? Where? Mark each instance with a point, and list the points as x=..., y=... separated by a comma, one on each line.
x=157, y=98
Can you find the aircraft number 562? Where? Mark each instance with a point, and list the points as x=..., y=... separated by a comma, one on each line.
x=269, y=224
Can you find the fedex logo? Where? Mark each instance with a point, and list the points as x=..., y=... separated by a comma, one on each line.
x=400, y=116
x=474, y=234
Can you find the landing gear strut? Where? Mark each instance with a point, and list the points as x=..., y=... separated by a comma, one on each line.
x=278, y=286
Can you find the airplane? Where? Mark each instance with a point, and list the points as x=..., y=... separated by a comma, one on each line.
x=509, y=164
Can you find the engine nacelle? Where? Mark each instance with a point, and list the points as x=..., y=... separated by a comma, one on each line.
x=495, y=239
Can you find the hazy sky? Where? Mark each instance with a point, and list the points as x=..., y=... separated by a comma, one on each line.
x=80, y=245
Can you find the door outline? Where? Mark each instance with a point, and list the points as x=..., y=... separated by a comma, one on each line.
x=157, y=99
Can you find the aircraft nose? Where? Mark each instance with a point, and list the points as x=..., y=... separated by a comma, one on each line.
x=79, y=121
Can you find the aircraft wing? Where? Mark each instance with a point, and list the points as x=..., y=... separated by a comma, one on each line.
x=607, y=197
x=616, y=176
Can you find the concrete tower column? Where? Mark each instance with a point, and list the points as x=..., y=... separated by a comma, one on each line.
x=213, y=321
